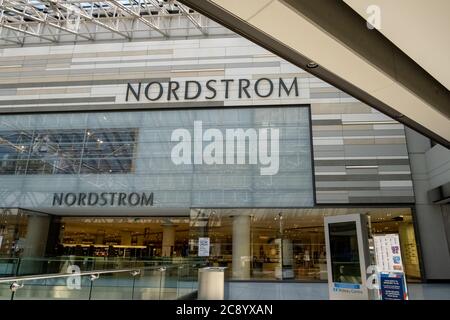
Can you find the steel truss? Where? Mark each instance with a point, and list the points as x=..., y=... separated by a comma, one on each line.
x=59, y=21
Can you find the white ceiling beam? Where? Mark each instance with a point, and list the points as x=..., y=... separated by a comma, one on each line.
x=138, y=16
x=6, y=26
x=197, y=24
x=43, y=18
x=79, y=10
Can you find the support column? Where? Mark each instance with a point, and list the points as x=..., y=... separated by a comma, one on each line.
x=241, y=247
x=37, y=234
x=35, y=245
x=429, y=216
x=168, y=241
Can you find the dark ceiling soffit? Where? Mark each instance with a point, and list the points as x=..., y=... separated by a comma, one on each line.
x=264, y=40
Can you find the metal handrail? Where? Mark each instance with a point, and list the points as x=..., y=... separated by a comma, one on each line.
x=133, y=271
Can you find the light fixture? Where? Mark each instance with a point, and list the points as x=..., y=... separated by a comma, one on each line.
x=312, y=65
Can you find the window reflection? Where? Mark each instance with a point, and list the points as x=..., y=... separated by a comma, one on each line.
x=71, y=151
x=295, y=248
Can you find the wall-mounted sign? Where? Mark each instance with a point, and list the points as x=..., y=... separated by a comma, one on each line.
x=203, y=247
x=387, y=252
x=91, y=199
x=209, y=90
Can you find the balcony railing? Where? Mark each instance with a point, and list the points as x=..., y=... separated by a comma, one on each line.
x=162, y=282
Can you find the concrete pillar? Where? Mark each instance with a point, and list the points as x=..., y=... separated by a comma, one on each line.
x=429, y=217
x=35, y=245
x=241, y=247
x=168, y=241
x=36, y=237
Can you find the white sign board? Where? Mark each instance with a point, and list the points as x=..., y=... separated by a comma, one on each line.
x=387, y=252
x=203, y=247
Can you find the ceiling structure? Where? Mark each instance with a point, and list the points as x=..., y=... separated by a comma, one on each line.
x=62, y=21
x=401, y=69
x=383, y=68
x=424, y=27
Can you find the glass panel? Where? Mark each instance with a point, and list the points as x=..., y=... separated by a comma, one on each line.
x=60, y=151
x=268, y=161
x=344, y=252
x=303, y=238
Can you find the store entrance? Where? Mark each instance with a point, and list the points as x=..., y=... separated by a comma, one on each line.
x=136, y=238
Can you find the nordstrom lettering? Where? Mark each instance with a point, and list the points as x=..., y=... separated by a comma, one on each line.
x=91, y=199
x=211, y=89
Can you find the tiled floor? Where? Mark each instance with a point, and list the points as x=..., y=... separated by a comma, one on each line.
x=319, y=291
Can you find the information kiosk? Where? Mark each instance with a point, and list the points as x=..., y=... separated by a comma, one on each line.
x=347, y=248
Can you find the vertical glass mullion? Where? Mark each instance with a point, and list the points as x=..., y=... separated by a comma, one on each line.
x=83, y=145
x=29, y=152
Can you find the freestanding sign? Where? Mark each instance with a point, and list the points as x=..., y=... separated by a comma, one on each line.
x=347, y=251
x=390, y=266
x=393, y=286
x=387, y=252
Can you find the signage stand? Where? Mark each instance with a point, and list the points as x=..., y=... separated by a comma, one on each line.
x=347, y=249
x=392, y=280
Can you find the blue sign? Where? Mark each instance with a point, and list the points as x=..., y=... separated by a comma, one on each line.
x=347, y=285
x=392, y=286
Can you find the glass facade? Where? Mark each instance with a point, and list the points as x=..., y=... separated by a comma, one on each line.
x=295, y=237
x=256, y=206
x=67, y=151
x=234, y=157
x=280, y=244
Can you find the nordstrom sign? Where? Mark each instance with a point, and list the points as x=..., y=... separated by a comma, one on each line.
x=113, y=199
x=211, y=89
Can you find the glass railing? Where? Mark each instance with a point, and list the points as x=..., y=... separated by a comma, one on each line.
x=168, y=282
x=8, y=266
x=62, y=264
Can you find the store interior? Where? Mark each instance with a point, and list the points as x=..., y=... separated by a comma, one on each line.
x=293, y=237
x=302, y=233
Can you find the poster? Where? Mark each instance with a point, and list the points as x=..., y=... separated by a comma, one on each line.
x=203, y=247
x=393, y=286
x=387, y=252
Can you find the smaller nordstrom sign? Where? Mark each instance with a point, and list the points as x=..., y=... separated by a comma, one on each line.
x=216, y=147
x=113, y=199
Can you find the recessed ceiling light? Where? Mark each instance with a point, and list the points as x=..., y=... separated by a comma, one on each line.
x=312, y=65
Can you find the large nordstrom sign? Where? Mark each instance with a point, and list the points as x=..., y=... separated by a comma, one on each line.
x=211, y=89
x=229, y=147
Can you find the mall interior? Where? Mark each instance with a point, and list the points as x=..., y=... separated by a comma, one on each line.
x=115, y=143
